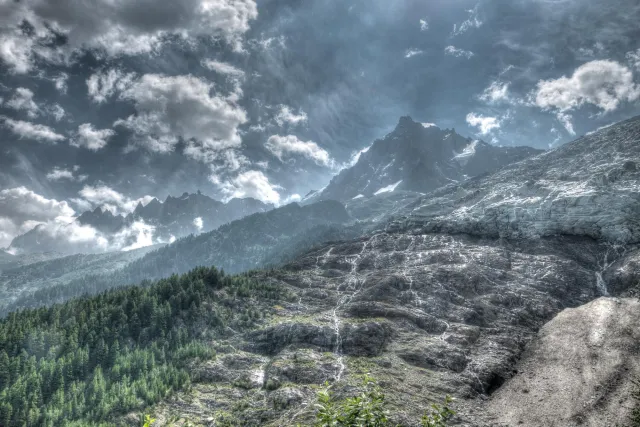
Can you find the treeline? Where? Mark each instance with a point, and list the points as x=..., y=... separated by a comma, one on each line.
x=235, y=254
x=89, y=359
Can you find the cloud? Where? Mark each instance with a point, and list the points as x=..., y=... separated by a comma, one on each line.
x=566, y=121
x=137, y=235
x=286, y=116
x=16, y=50
x=60, y=82
x=33, y=131
x=604, y=84
x=472, y=22
x=223, y=68
x=22, y=209
x=103, y=85
x=634, y=59
x=22, y=100
x=116, y=28
x=59, y=174
x=92, y=139
x=107, y=198
x=170, y=108
x=198, y=223
x=424, y=25
x=284, y=146
x=56, y=111
x=249, y=184
x=495, y=93
x=292, y=198
x=484, y=124
x=458, y=53
x=412, y=52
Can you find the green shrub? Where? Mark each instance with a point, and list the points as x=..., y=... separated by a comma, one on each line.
x=367, y=409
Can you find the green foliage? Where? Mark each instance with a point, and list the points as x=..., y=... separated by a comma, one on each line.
x=438, y=415
x=147, y=421
x=364, y=410
x=367, y=409
x=88, y=360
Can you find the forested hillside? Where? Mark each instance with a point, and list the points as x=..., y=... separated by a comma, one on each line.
x=91, y=360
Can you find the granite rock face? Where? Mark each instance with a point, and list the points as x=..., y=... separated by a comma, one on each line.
x=448, y=296
x=420, y=159
x=589, y=187
x=426, y=314
x=578, y=371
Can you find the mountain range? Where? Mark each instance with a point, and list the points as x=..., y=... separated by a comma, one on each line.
x=420, y=158
x=174, y=218
x=467, y=276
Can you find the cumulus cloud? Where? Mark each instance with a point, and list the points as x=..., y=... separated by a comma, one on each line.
x=48, y=224
x=170, y=108
x=249, y=184
x=56, y=111
x=107, y=198
x=485, y=124
x=60, y=174
x=286, y=115
x=424, y=25
x=604, y=84
x=223, y=68
x=117, y=28
x=284, y=146
x=22, y=209
x=496, y=92
x=28, y=130
x=15, y=48
x=409, y=53
x=104, y=84
x=472, y=22
x=566, y=121
x=458, y=53
x=198, y=223
x=92, y=139
x=634, y=59
x=22, y=100
x=60, y=82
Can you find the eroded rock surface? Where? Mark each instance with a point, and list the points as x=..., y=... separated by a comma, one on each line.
x=588, y=187
x=578, y=371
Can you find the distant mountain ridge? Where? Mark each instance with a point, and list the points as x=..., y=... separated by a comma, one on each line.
x=419, y=158
x=174, y=218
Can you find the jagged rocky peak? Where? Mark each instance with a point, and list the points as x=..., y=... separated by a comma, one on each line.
x=420, y=158
x=588, y=187
x=175, y=217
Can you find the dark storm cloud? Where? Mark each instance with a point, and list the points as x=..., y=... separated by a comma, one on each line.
x=273, y=106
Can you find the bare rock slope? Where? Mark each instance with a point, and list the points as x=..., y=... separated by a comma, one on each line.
x=577, y=372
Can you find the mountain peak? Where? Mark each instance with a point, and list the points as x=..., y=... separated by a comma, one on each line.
x=405, y=121
x=418, y=157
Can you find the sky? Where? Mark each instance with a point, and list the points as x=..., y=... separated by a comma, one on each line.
x=113, y=103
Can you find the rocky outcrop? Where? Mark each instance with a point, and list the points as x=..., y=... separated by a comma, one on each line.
x=419, y=159
x=448, y=297
x=589, y=187
x=426, y=314
x=578, y=371
x=174, y=218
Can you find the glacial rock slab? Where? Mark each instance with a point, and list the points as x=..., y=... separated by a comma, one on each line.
x=588, y=187
x=578, y=371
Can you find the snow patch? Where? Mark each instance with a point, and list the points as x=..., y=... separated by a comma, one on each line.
x=388, y=188
x=468, y=152
x=359, y=196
